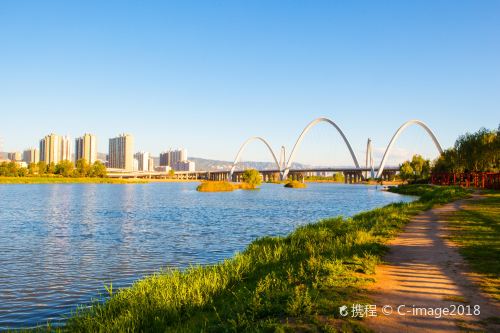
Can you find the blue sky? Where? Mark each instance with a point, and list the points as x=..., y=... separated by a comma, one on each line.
x=206, y=75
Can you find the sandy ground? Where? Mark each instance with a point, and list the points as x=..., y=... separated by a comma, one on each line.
x=423, y=269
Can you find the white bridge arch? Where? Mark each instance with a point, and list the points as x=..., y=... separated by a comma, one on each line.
x=253, y=138
x=398, y=133
x=284, y=165
x=304, y=132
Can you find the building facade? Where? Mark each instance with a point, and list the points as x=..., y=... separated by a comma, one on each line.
x=31, y=155
x=66, y=148
x=15, y=156
x=86, y=148
x=184, y=166
x=55, y=148
x=171, y=157
x=143, y=161
x=121, y=152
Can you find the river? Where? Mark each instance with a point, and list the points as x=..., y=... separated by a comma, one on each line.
x=61, y=243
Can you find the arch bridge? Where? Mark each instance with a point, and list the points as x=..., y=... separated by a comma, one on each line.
x=283, y=166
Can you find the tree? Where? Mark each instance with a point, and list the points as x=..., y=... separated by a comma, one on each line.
x=9, y=169
x=42, y=168
x=98, y=170
x=417, y=164
x=82, y=168
x=252, y=177
x=22, y=172
x=51, y=168
x=33, y=168
x=406, y=171
x=64, y=168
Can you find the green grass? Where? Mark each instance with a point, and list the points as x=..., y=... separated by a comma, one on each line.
x=295, y=184
x=64, y=180
x=277, y=284
x=476, y=229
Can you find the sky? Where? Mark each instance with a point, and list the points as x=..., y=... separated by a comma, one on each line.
x=206, y=75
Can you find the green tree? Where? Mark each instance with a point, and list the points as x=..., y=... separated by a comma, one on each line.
x=82, y=168
x=32, y=168
x=98, y=170
x=64, y=168
x=406, y=171
x=9, y=169
x=251, y=177
x=22, y=172
x=51, y=168
x=417, y=164
x=42, y=168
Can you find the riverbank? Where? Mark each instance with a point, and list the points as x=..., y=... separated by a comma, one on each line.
x=293, y=282
x=440, y=261
x=68, y=180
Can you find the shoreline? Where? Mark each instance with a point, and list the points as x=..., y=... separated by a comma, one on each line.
x=86, y=180
x=283, y=283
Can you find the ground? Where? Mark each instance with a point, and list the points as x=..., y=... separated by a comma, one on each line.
x=424, y=267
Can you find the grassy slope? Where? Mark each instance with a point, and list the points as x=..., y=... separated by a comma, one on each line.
x=277, y=284
x=64, y=180
x=476, y=229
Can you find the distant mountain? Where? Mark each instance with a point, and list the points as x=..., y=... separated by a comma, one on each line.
x=215, y=165
x=205, y=164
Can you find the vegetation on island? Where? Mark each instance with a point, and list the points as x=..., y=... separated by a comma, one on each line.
x=251, y=177
x=295, y=184
x=277, y=284
x=215, y=186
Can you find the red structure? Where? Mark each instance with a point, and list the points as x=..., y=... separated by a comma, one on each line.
x=490, y=180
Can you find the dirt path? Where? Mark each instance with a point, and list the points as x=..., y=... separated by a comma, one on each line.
x=423, y=269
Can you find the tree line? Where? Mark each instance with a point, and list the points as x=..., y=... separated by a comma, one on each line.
x=64, y=168
x=472, y=152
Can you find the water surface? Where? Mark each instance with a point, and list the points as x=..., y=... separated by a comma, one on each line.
x=61, y=243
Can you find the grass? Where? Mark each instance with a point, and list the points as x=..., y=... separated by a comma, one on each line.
x=476, y=229
x=65, y=180
x=223, y=186
x=295, y=184
x=214, y=186
x=277, y=284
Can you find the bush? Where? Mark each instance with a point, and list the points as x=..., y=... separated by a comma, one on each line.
x=215, y=186
x=252, y=177
x=295, y=184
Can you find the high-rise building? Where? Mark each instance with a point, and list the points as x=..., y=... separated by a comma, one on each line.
x=55, y=148
x=184, y=166
x=50, y=149
x=15, y=156
x=86, y=148
x=171, y=157
x=121, y=152
x=65, y=148
x=151, y=164
x=143, y=161
x=31, y=155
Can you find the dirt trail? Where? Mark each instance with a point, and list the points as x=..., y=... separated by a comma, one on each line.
x=424, y=269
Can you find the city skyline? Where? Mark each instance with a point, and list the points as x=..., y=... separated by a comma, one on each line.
x=210, y=76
